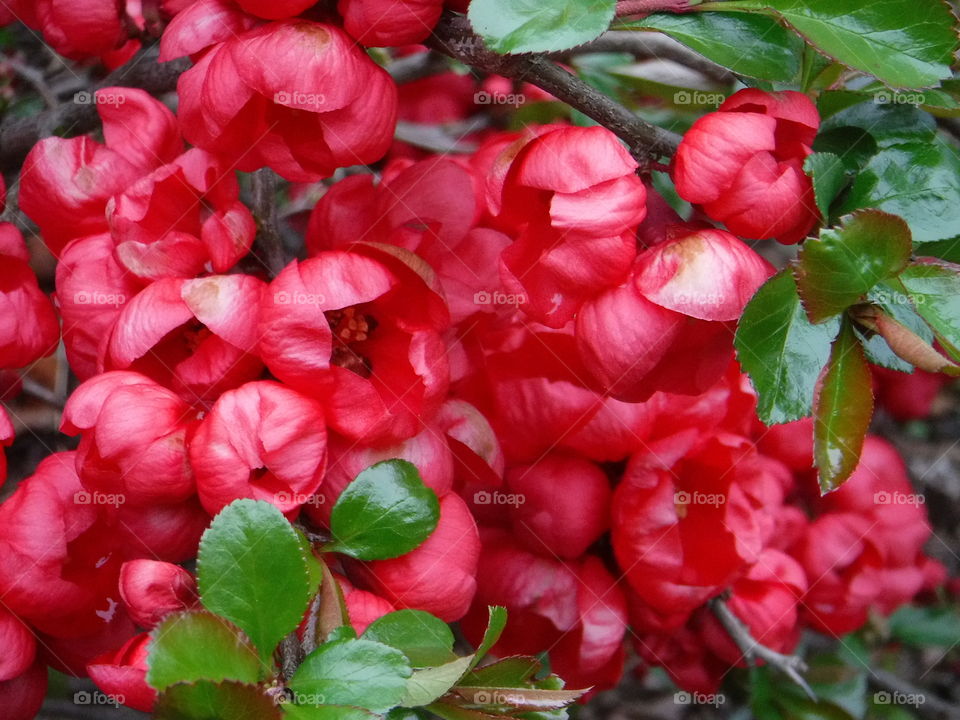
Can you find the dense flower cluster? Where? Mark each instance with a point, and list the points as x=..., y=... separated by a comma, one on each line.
x=531, y=325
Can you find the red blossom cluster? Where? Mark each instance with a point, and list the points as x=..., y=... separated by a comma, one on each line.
x=530, y=324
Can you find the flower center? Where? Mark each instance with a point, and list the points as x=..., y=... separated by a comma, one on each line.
x=351, y=328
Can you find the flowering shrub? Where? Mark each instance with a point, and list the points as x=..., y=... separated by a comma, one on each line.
x=361, y=346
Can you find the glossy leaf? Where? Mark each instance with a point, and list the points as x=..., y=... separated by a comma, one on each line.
x=205, y=700
x=424, y=638
x=523, y=26
x=781, y=350
x=843, y=407
x=386, y=512
x=360, y=673
x=429, y=684
x=495, y=624
x=904, y=43
x=509, y=699
x=895, y=303
x=198, y=645
x=508, y=672
x=251, y=570
x=920, y=182
x=327, y=712
x=843, y=264
x=886, y=124
x=754, y=45
x=935, y=291
x=828, y=174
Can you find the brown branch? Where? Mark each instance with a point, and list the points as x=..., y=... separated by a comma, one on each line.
x=264, y=186
x=789, y=665
x=930, y=705
x=649, y=46
x=454, y=37
x=18, y=135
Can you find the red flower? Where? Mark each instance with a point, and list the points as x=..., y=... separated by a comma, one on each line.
x=81, y=30
x=561, y=505
x=440, y=576
x=668, y=326
x=6, y=438
x=123, y=673
x=294, y=95
x=744, y=164
x=384, y=23
x=262, y=441
x=29, y=328
x=152, y=589
x=197, y=337
x=18, y=648
x=359, y=329
x=22, y=696
x=134, y=438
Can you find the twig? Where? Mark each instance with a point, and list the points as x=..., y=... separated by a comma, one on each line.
x=453, y=36
x=649, y=45
x=18, y=135
x=416, y=67
x=931, y=705
x=264, y=187
x=291, y=655
x=35, y=78
x=35, y=390
x=789, y=665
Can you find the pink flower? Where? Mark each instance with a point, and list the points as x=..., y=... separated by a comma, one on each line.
x=264, y=441
x=384, y=23
x=123, y=673
x=152, y=589
x=744, y=164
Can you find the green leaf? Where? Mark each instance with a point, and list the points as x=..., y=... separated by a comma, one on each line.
x=897, y=305
x=948, y=250
x=425, y=639
x=386, y=512
x=508, y=672
x=852, y=145
x=754, y=45
x=326, y=712
x=361, y=673
x=251, y=570
x=838, y=269
x=495, y=625
x=781, y=350
x=198, y=645
x=524, y=26
x=920, y=182
x=926, y=626
x=509, y=699
x=904, y=43
x=886, y=124
x=828, y=174
x=935, y=291
x=205, y=700
x=842, y=410
x=429, y=684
